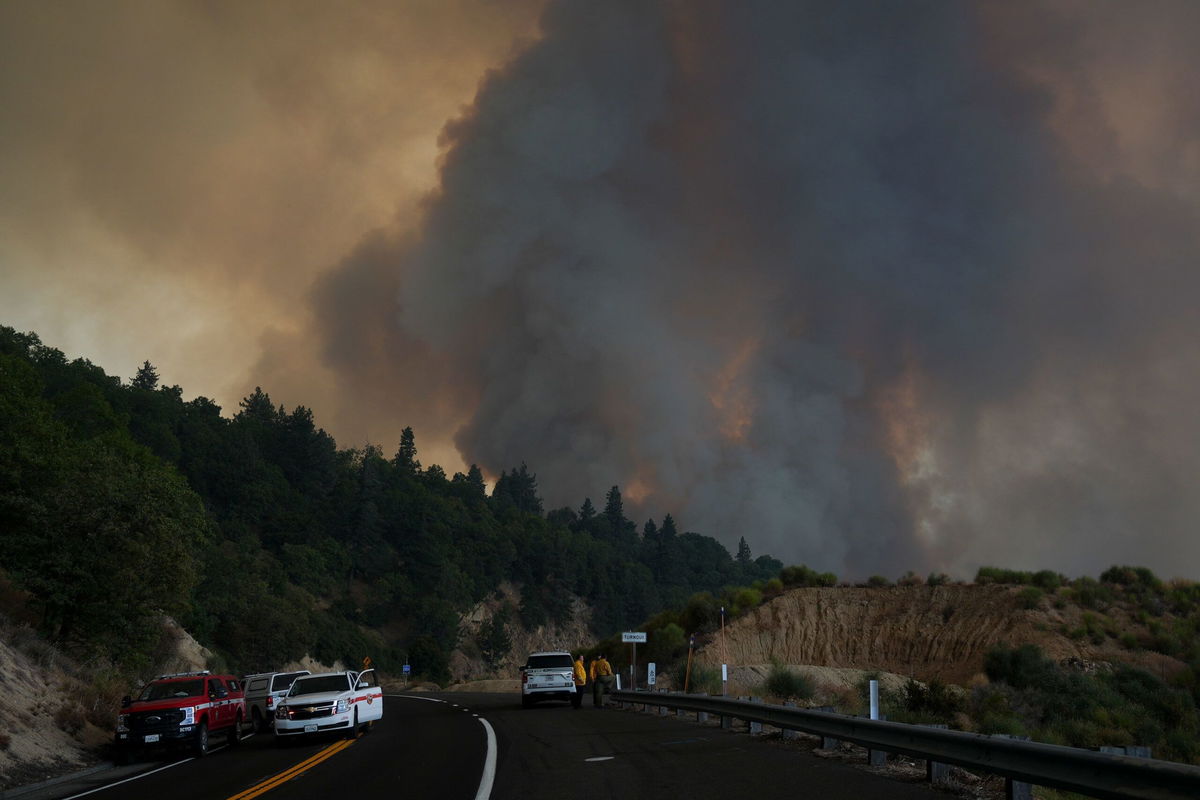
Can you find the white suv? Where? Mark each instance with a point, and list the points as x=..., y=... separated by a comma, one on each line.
x=330, y=701
x=549, y=675
x=263, y=693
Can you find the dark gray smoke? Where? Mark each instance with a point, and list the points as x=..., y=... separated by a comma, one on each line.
x=877, y=286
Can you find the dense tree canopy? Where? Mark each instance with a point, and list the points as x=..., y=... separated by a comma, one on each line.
x=269, y=542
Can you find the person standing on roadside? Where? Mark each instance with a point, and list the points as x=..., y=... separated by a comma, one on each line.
x=602, y=680
x=580, y=681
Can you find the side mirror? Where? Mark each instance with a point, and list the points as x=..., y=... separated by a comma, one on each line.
x=126, y=701
x=222, y=693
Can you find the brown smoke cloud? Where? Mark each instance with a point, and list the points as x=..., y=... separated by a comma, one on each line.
x=877, y=287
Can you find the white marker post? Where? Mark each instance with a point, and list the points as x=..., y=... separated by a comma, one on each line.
x=874, y=699
x=724, y=658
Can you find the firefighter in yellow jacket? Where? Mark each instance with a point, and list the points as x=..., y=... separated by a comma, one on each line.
x=580, y=681
x=602, y=680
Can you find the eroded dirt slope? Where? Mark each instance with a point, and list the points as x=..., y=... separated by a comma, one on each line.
x=928, y=632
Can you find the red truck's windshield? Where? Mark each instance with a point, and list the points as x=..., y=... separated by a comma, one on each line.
x=165, y=690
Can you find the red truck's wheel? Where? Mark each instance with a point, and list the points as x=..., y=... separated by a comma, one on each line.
x=201, y=746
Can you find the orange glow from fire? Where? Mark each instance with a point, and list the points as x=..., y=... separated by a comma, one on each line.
x=906, y=430
x=731, y=398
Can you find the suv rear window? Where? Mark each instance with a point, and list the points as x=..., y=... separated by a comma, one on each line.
x=551, y=662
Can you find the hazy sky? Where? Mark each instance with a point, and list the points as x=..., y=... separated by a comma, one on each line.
x=879, y=286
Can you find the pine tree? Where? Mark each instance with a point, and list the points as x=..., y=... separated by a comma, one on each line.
x=406, y=455
x=146, y=378
x=587, y=510
x=475, y=479
x=614, y=510
x=743, y=553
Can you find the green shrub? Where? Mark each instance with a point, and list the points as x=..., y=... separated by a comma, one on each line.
x=783, y=682
x=1048, y=580
x=1138, y=577
x=1088, y=593
x=987, y=575
x=703, y=680
x=932, y=702
x=666, y=643
x=878, y=581
x=800, y=575
x=746, y=599
x=1129, y=641
x=910, y=578
x=701, y=614
x=1029, y=597
x=1025, y=666
x=937, y=579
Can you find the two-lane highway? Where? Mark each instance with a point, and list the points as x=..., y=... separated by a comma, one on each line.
x=438, y=746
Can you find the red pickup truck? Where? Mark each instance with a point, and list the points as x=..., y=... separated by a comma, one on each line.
x=185, y=709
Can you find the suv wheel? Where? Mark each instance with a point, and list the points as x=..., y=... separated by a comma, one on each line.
x=353, y=732
x=201, y=746
x=256, y=720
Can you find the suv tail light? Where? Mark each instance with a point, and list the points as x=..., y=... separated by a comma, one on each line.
x=270, y=701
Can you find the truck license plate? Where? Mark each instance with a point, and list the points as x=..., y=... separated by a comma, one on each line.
x=310, y=728
x=151, y=738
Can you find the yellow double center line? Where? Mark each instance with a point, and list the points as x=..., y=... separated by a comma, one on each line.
x=296, y=771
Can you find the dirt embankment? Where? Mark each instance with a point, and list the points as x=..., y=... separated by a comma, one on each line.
x=927, y=632
x=466, y=663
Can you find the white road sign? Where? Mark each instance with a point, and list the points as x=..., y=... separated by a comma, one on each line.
x=639, y=636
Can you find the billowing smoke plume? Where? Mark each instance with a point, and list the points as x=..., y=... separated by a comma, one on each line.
x=876, y=286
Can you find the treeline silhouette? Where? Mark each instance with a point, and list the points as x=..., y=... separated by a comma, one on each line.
x=121, y=502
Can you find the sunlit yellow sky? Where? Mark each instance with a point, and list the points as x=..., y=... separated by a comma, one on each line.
x=877, y=287
x=176, y=174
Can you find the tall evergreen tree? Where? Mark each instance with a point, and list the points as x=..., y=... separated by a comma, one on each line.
x=587, y=510
x=475, y=479
x=146, y=378
x=743, y=558
x=406, y=455
x=614, y=510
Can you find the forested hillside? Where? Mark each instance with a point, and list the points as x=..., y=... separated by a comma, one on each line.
x=120, y=502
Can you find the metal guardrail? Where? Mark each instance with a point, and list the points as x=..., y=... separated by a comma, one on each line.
x=1101, y=775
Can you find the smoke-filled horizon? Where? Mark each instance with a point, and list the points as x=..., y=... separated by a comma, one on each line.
x=840, y=278
x=876, y=286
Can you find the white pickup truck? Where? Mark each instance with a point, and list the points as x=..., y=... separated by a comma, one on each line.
x=330, y=701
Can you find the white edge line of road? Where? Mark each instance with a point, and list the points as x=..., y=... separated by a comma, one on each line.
x=489, y=762
x=127, y=780
x=151, y=772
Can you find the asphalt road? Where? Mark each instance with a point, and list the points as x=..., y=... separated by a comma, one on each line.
x=437, y=746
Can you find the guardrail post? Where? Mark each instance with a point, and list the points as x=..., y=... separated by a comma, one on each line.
x=663, y=710
x=1138, y=751
x=877, y=758
x=1014, y=789
x=727, y=722
x=936, y=772
x=827, y=742
x=788, y=733
x=702, y=716
x=755, y=727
